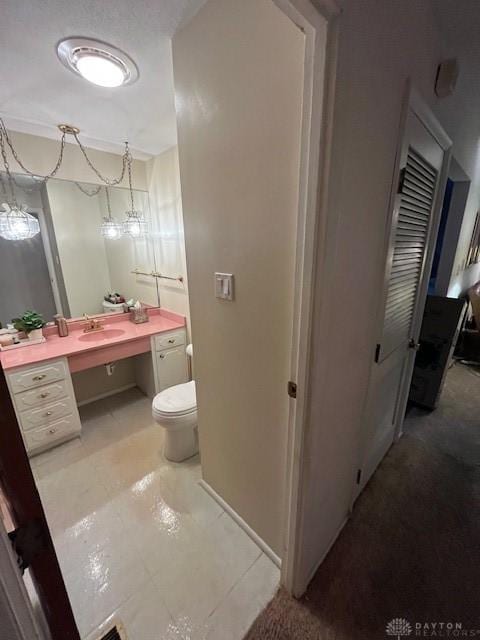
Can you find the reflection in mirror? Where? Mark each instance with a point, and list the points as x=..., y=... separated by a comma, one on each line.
x=69, y=267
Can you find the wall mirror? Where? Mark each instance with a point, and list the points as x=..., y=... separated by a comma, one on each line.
x=74, y=262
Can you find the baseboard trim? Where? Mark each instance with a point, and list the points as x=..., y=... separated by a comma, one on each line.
x=241, y=523
x=101, y=396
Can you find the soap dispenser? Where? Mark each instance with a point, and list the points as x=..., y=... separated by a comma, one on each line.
x=62, y=325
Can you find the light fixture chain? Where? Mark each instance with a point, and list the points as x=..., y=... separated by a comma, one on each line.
x=89, y=192
x=7, y=170
x=4, y=189
x=108, y=203
x=4, y=137
x=129, y=161
x=111, y=182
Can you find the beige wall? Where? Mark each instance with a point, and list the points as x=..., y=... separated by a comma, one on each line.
x=238, y=70
x=40, y=155
x=163, y=178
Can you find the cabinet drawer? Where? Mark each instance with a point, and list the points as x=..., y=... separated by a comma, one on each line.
x=55, y=432
x=37, y=376
x=42, y=416
x=169, y=340
x=41, y=396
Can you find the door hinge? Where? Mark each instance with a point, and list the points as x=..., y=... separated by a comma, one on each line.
x=292, y=389
x=401, y=180
x=377, y=352
x=359, y=476
x=27, y=541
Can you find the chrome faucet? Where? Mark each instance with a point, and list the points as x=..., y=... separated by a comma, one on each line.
x=92, y=324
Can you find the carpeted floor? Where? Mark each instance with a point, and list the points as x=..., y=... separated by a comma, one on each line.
x=411, y=547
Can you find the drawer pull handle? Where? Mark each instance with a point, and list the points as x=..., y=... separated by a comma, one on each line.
x=48, y=413
x=40, y=377
x=162, y=356
x=52, y=431
x=172, y=341
x=44, y=395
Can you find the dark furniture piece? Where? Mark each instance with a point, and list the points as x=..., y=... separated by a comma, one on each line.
x=441, y=324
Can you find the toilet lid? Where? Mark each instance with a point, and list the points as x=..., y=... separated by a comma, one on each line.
x=176, y=400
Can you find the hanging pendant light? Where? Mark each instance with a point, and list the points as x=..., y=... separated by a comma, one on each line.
x=135, y=225
x=17, y=224
x=110, y=228
x=15, y=221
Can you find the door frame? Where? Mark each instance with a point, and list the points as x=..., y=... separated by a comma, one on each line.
x=412, y=102
x=318, y=20
x=430, y=122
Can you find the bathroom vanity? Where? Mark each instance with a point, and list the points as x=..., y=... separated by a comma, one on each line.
x=39, y=376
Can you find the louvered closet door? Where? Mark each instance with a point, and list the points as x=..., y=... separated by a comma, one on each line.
x=412, y=234
x=418, y=186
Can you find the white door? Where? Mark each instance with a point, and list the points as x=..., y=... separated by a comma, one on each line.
x=413, y=230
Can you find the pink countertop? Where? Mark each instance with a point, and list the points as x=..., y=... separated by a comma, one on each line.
x=56, y=347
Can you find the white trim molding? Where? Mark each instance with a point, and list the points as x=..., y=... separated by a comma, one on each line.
x=241, y=523
x=318, y=21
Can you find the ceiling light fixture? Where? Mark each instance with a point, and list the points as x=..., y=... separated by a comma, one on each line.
x=98, y=62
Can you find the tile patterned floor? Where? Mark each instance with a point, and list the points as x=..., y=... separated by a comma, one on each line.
x=138, y=539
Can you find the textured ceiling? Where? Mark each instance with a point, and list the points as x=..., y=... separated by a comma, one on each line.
x=37, y=92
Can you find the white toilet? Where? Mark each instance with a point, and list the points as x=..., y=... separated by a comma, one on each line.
x=175, y=409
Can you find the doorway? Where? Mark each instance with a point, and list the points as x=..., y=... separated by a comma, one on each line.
x=412, y=230
x=111, y=503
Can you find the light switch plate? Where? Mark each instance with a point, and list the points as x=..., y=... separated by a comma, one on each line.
x=224, y=286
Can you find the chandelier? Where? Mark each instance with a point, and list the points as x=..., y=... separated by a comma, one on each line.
x=15, y=221
x=134, y=225
x=17, y=224
x=110, y=229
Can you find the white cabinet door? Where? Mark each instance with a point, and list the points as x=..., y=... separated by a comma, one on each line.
x=171, y=367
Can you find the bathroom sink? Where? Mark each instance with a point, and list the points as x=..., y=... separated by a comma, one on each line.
x=100, y=335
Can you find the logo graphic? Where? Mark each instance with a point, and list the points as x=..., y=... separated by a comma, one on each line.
x=398, y=627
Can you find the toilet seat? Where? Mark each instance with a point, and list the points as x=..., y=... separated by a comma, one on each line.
x=175, y=402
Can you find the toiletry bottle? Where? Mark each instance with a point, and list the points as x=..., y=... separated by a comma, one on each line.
x=62, y=325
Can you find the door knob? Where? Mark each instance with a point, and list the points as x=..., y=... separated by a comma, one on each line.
x=413, y=345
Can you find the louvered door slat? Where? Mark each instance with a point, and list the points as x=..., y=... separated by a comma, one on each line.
x=419, y=182
x=417, y=197
x=414, y=208
x=411, y=191
x=418, y=165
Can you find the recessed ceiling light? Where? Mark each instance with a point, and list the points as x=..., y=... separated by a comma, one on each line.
x=98, y=62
